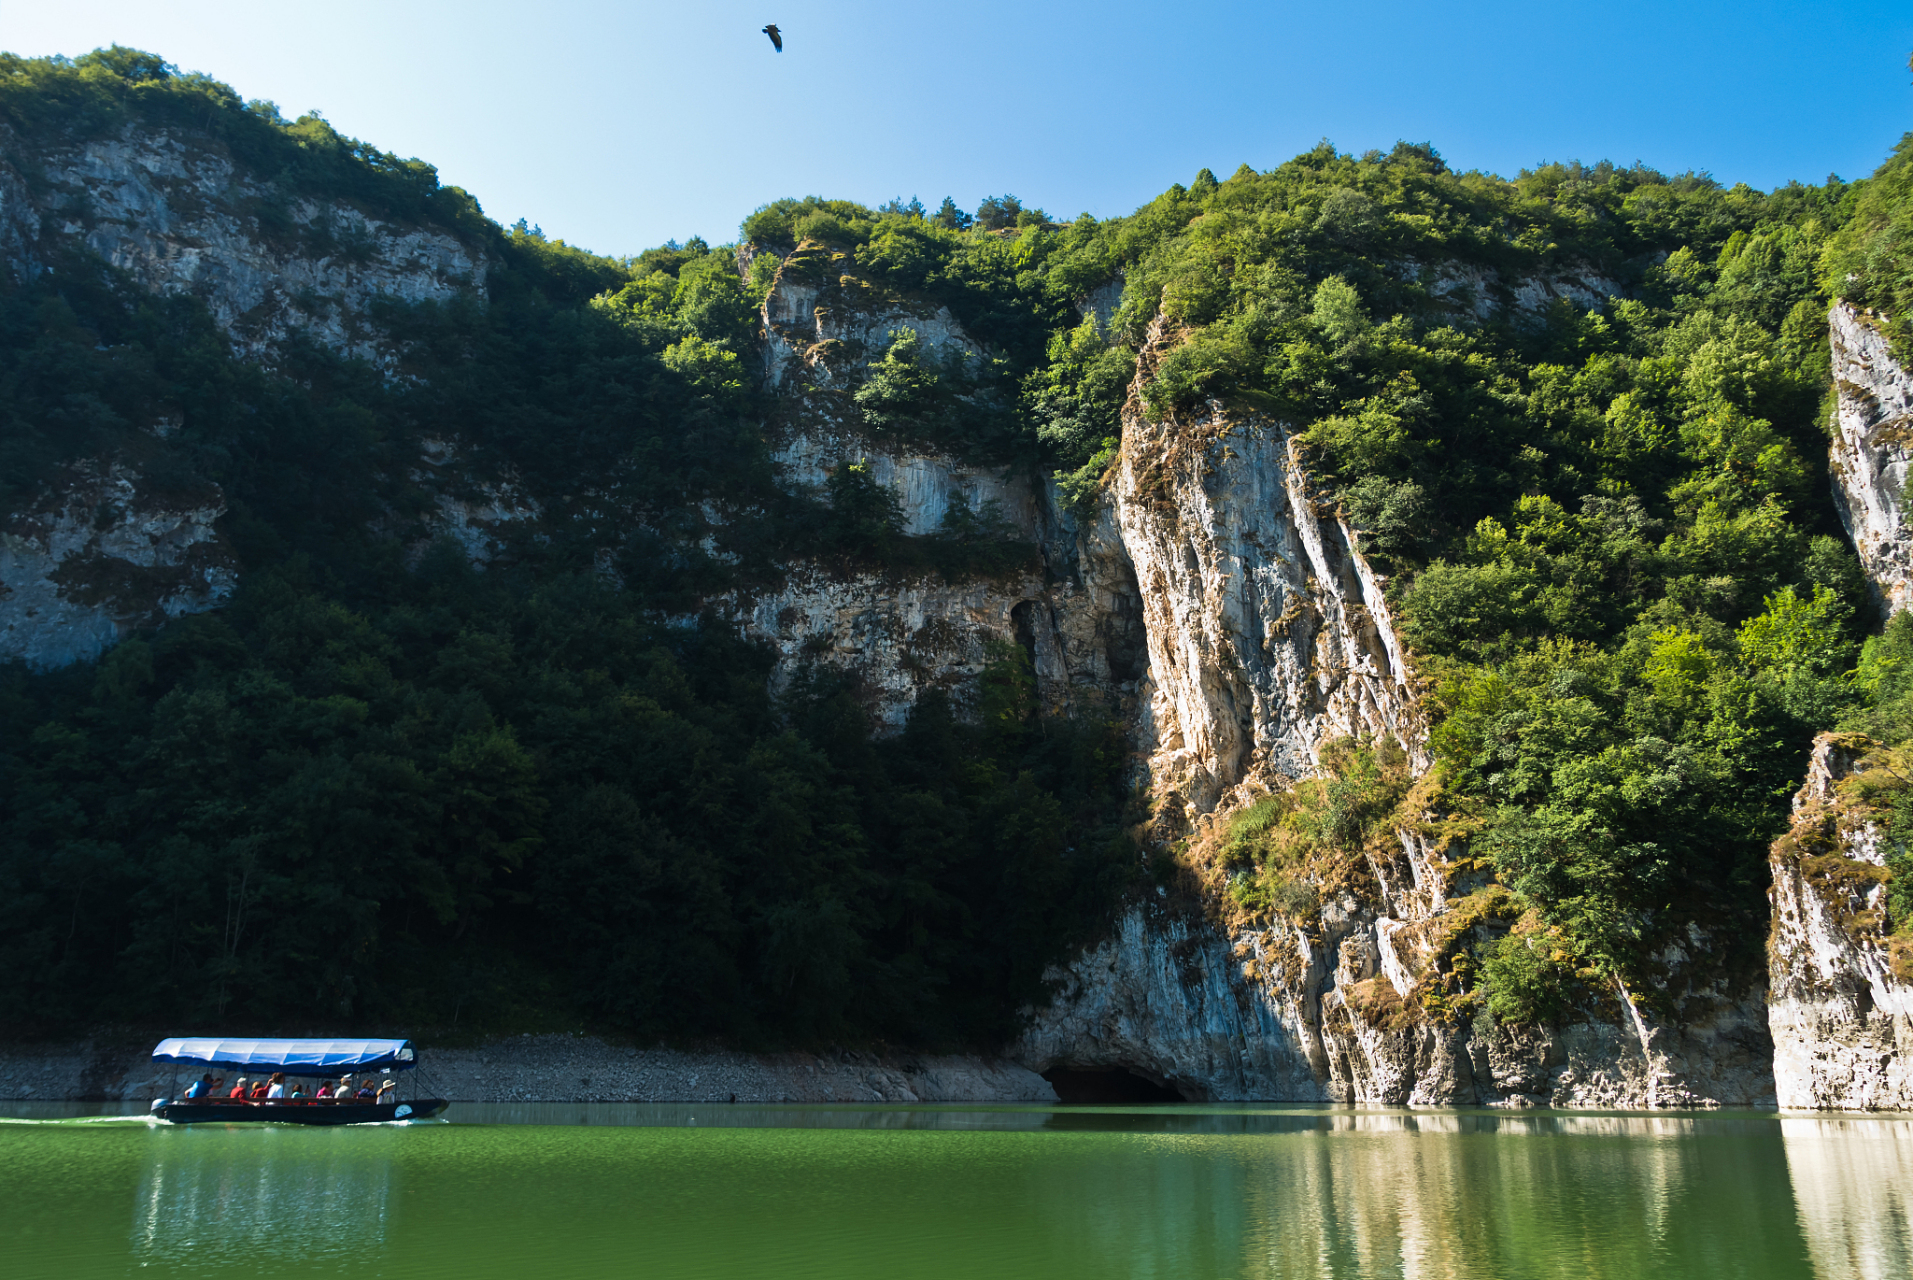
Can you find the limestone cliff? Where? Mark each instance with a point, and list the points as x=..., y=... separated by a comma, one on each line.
x=1841, y=985
x=1267, y=631
x=1268, y=636
x=1872, y=446
x=1072, y=606
x=179, y=215
x=1841, y=1003
x=1328, y=1010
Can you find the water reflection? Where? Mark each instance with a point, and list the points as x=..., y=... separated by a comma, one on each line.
x=218, y=1195
x=1852, y=1183
x=1443, y=1195
x=701, y=1191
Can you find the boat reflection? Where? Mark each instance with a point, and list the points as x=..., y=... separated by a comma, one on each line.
x=1853, y=1188
x=219, y=1196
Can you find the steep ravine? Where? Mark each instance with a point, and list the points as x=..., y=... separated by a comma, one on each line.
x=1210, y=599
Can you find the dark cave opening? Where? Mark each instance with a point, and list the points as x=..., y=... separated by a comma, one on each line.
x=1106, y=1084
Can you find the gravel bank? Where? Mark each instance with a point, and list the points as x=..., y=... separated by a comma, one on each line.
x=558, y=1068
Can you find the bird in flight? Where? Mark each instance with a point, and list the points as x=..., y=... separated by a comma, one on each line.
x=777, y=37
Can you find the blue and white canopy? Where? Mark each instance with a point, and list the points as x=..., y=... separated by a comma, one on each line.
x=300, y=1057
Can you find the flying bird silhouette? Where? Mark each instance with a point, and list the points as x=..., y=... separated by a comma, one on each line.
x=777, y=37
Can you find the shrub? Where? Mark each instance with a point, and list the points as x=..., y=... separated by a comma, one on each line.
x=1527, y=978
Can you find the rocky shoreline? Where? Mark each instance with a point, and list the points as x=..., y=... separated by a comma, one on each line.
x=565, y=1068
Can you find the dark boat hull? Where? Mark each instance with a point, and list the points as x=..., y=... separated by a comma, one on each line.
x=326, y=1113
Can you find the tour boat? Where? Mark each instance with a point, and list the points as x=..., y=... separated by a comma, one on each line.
x=314, y=1060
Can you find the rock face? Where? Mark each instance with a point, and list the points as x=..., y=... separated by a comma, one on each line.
x=822, y=324
x=896, y=637
x=178, y=216
x=483, y=517
x=102, y=554
x=1072, y=605
x=1482, y=292
x=1267, y=631
x=1316, y=1014
x=1841, y=1002
x=1872, y=446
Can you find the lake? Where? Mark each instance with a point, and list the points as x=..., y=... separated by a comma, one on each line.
x=1000, y=1193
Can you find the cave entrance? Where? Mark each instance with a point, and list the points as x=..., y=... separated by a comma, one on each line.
x=1106, y=1084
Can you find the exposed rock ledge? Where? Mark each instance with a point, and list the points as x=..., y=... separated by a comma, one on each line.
x=561, y=1068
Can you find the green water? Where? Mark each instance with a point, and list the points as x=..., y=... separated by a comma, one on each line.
x=1058, y=1193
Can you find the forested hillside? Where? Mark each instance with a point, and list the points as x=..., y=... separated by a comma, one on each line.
x=1578, y=417
x=380, y=789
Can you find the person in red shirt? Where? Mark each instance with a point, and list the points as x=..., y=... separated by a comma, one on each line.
x=258, y=1093
x=238, y=1089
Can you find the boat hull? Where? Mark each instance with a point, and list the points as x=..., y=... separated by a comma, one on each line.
x=323, y=1113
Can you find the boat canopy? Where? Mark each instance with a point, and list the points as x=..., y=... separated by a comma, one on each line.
x=290, y=1055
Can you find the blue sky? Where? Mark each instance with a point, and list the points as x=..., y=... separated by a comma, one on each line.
x=621, y=125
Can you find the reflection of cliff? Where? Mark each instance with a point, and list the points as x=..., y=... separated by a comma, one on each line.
x=1853, y=1185
x=258, y=1197
x=1437, y=1197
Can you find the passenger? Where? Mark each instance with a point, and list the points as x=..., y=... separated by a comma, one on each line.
x=239, y=1089
x=324, y=1092
x=199, y=1088
x=276, y=1087
x=258, y=1093
x=389, y=1094
x=365, y=1093
x=344, y=1092
x=298, y=1093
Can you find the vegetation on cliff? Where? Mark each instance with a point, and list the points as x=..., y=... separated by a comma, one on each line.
x=1577, y=416
x=1605, y=512
x=384, y=787
x=1871, y=265
x=1603, y=508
